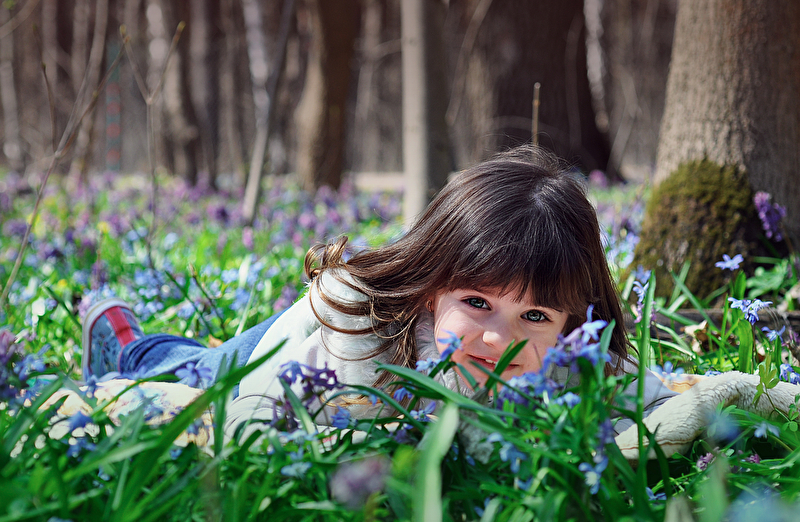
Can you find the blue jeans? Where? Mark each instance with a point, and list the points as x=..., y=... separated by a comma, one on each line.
x=158, y=354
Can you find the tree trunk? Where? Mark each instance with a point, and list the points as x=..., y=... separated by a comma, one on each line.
x=732, y=95
x=231, y=93
x=180, y=115
x=426, y=154
x=204, y=47
x=321, y=114
x=636, y=38
x=12, y=144
x=517, y=44
x=134, y=108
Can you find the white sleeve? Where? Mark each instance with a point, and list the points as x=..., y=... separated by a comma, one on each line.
x=309, y=343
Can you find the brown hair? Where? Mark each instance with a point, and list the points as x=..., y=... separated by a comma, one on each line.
x=519, y=221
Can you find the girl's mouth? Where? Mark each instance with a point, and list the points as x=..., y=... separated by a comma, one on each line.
x=487, y=362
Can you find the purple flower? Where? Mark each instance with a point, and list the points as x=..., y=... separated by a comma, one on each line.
x=32, y=363
x=729, y=263
x=324, y=378
x=605, y=433
x=771, y=215
x=704, y=461
x=755, y=458
x=193, y=375
x=8, y=348
x=353, y=482
x=291, y=372
x=341, y=419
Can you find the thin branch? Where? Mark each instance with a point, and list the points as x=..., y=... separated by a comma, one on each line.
x=15, y=21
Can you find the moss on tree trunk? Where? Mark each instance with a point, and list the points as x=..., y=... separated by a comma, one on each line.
x=700, y=212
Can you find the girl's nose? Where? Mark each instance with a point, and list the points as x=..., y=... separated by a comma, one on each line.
x=498, y=336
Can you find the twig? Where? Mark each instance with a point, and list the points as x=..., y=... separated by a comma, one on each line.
x=211, y=302
x=15, y=21
x=66, y=141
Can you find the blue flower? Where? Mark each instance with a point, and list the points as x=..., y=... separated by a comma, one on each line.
x=749, y=308
x=192, y=375
x=32, y=363
x=341, y=419
x=291, y=372
x=772, y=335
x=764, y=429
x=451, y=342
x=569, y=399
x=655, y=496
x=641, y=274
x=751, y=314
x=729, y=263
x=80, y=444
x=422, y=414
x=592, y=474
x=296, y=469
x=605, y=433
x=668, y=372
x=510, y=453
x=78, y=420
x=401, y=394
x=591, y=329
x=428, y=364
x=640, y=290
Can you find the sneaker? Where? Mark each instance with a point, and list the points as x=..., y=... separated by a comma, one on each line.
x=108, y=327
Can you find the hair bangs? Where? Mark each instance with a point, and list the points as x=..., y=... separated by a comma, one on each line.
x=533, y=263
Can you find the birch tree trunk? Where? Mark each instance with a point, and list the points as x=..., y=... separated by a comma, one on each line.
x=82, y=154
x=426, y=162
x=259, y=72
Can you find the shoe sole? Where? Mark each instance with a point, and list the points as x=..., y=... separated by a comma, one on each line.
x=92, y=316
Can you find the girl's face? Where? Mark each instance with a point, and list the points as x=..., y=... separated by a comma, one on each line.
x=489, y=322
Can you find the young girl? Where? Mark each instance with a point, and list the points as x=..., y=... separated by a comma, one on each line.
x=509, y=250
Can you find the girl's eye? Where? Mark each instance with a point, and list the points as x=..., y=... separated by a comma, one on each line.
x=535, y=316
x=476, y=302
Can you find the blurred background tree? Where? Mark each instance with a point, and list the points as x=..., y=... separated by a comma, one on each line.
x=338, y=107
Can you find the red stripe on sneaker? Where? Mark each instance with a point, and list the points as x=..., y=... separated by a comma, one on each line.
x=122, y=328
